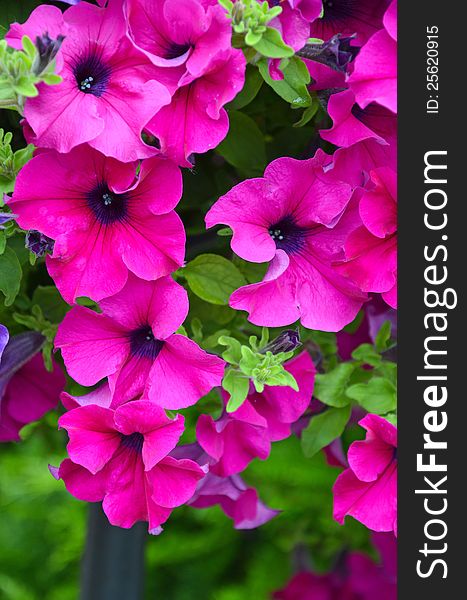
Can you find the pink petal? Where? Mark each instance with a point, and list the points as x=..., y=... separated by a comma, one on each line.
x=183, y=373
x=93, y=437
x=174, y=481
x=92, y=345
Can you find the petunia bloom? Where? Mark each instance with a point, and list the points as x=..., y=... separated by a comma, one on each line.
x=121, y=457
x=361, y=17
x=179, y=36
x=367, y=490
x=27, y=389
x=295, y=218
x=195, y=121
x=374, y=78
x=108, y=92
x=352, y=124
x=106, y=219
x=371, y=250
x=236, y=438
x=132, y=342
x=238, y=501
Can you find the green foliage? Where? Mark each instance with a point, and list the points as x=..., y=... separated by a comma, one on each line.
x=11, y=162
x=244, y=145
x=249, y=22
x=293, y=87
x=11, y=272
x=324, y=429
x=18, y=79
x=252, y=363
x=213, y=278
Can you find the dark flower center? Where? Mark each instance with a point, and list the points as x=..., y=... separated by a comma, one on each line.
x=107, y=206
x=134, y=441
x=143, y=343
x=175, y=50
x=287, y=235
x=92, y=75
x=339, y=9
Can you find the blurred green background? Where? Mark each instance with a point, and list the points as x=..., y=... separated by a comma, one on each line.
x=199, y=555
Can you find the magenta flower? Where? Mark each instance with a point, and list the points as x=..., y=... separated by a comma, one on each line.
x=352, y=124
x=235, y=439
x=237, y=500
x=367, y=490
x=43, y=20
x=354, y=164
x=133, y=344
x=108, y=92
x=295, y=219
x=363, y=17
x=27, y=389
x=106, y=219
x=374, y=78
x=121, y=457
x=195, y=120
x=180, y=36
x=371, y=250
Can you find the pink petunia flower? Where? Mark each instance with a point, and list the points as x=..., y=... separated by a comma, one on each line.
x=295, y=218
x=235, y=439
x=371, y=250
x=108, y=92
x=43, y=20
x=352, y=124
x=374, y=78
x=348, y=17
x=133, y=344
x=189, y=44
x=367, y=490
x=238, y=501
x=195, y=120
x=179, y=36
x=106, y=219
x=27, y=390
x=121, y=457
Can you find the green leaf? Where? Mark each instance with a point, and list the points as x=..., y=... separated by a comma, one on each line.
x=249, y=360
x=244, y=146
x=51, y=78
x=307, y=114
x=25, y=87
x=213, y=278
x=284, y=378
x=225, y=232
x=28, y=47
x=237, y=385
x=253, y=83
x=233, y=354
x=272, y=45
x=383, y=336
x=22, y=156
x=378, y=396
x=52, y=304
x=293, y=88
x=367, y=354
x=324, y=429
x=227, y=4
x=330, y=387
x=253, y=37
x=11, y=273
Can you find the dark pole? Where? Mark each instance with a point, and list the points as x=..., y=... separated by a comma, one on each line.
x=113, y=561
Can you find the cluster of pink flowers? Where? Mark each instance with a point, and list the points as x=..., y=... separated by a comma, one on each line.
x=144, y=89
x=327, y=225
